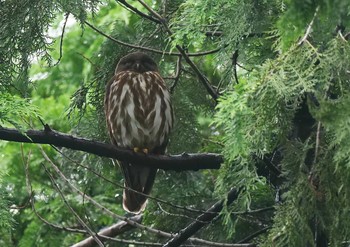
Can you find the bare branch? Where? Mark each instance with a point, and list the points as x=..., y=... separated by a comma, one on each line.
x=125, y=241
x=82, y=223
x=196, y=54
x=110, y=231
x=194, y=67
x=308, y=30
x=317, y=144
x=177, y=74
x=128, y=220
x=202, y=220
x=234, y=63
x=130, y=45
x=255, y=211
x=180, y=162
x=61, y=41
x=32, y=199
x=104, y=209
x=255, y=234
x=213, y=33
x=199, y=74
x=174, y=215
x=135, y=10
x=154, y=13
x=127, y=188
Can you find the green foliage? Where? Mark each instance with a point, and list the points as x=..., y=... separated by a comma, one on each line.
x=6, y=220
x=15, y=110
x=299, y=14
x=259, y=117
x=281, y=122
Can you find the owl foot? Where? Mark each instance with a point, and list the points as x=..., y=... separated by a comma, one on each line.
x=139, y=150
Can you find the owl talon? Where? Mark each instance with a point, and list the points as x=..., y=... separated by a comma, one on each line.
x=139, y=150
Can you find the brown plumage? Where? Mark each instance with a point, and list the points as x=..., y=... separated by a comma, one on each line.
x=139, y=116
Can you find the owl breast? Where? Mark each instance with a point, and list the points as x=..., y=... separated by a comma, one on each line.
x=139, y=111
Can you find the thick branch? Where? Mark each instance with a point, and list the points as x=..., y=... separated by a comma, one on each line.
x=180, y=162
x=203, y=220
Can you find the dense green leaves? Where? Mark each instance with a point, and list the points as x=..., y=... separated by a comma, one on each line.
x=281, y=122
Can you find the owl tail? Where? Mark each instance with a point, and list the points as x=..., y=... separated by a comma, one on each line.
x=140, y=179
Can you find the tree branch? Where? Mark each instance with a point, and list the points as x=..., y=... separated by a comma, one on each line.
x=195, y=54
x=135, y=10
x=76, y=215
x=111, y=231
x=61, y=41
x=202, y=220
x=308, y=30
x=234, y=63
x=158, y=200
x=194, y=67
x=177, y=74
x=180, y=162
x=128, y=220
x=255, y=234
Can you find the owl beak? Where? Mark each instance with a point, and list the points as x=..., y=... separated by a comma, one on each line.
x=137, y=66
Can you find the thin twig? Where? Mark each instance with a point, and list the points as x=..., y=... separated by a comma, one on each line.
x=203, y=79
x=347, y=36
x=196, y=225
x=177, y=215
x=88, y=59
x=194, y=67
x=127, y=188
x=317, y=145
x=255, y=234
x=32, y=199
x=154, y=13
x=118, y=240
x=61, y=41
x=82, y=223
x=243, y=67
x=177, y=74
x=196, y=54
x=128, y=220
x=214, y=33
x=255, y=211
x=341, y=36
x=308, y=30
x=104, y=209
x=234, y=63
x=135, y=10
x=109, y=232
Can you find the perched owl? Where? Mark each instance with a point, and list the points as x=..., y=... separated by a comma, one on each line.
x=139, y=116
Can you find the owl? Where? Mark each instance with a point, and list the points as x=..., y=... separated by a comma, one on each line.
x=139, y=117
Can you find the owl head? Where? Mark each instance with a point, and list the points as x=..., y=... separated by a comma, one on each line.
x=137, y=62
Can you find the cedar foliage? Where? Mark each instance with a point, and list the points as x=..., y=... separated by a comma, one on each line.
x=282, y=124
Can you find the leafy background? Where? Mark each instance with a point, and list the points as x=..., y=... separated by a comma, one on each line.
x=282, y=121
